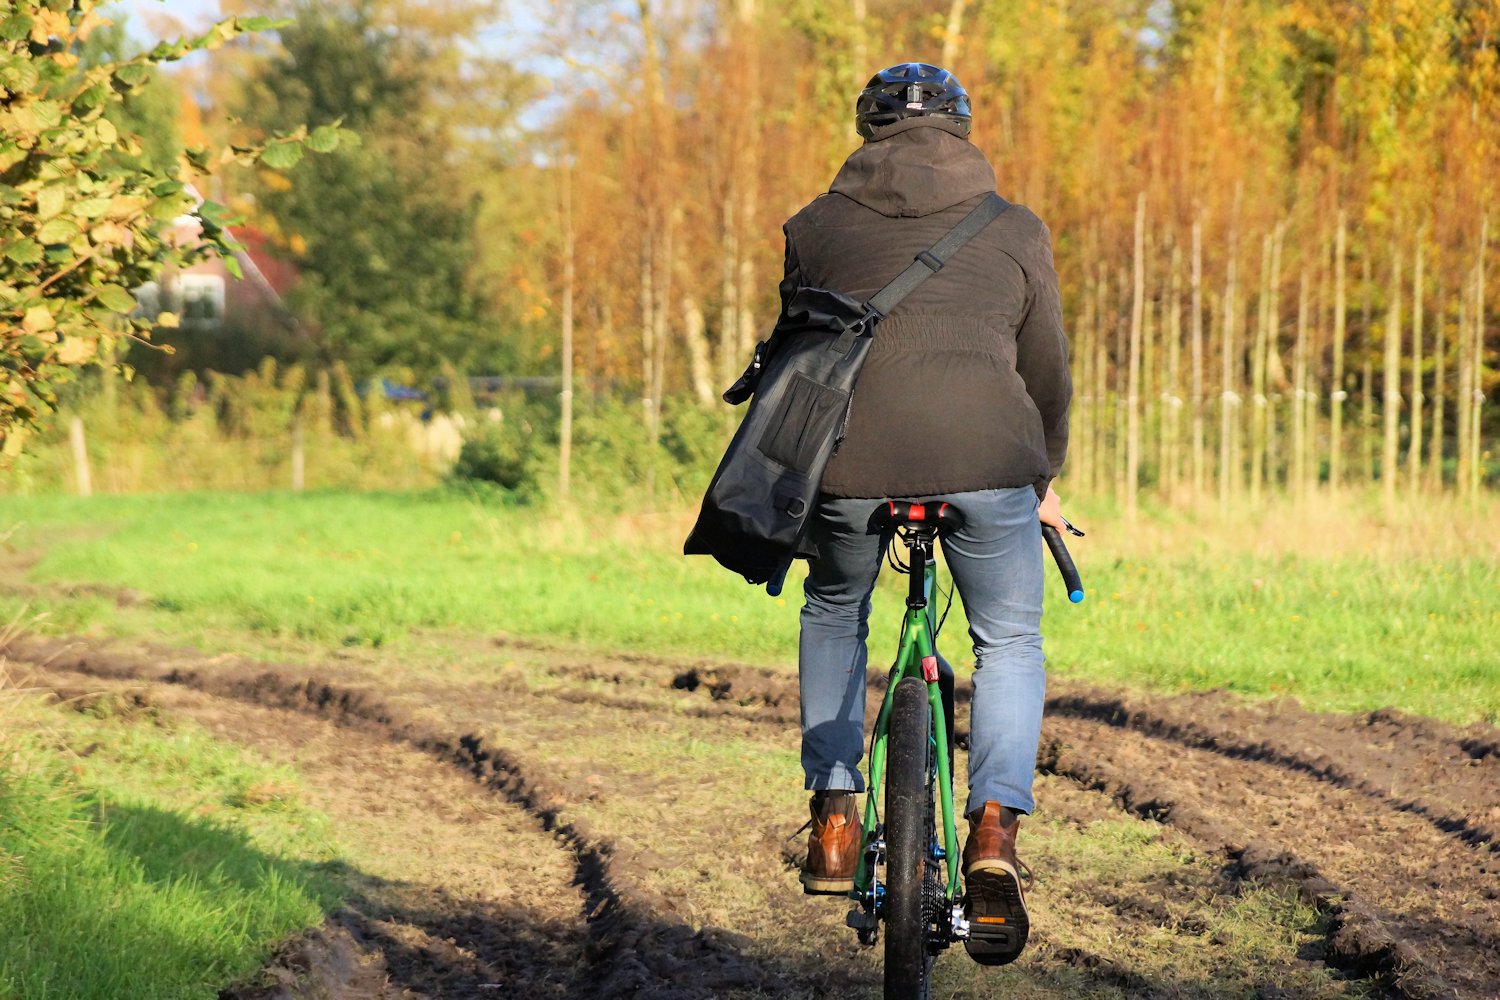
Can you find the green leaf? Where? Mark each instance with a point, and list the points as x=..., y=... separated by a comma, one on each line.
x=133, y=74
x=60, y=230
x=92, y=208
x=324, y=139
x=262, y=23
x=15, y=27
x=213, y=213
x=37, y=116
x=50, y=201
x=116, y=298
x=282, y=155
x=24, y=251
x=232, y=265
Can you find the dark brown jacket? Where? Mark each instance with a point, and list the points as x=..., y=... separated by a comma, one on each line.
x=966, y=386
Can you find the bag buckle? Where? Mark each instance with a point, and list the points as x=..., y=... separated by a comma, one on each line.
x=930, y=260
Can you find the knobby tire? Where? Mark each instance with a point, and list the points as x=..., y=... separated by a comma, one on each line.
x=908, y=834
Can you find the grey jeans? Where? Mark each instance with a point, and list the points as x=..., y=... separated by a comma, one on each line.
x=996, y=561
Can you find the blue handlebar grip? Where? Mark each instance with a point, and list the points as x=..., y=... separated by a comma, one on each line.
x=1076, y=596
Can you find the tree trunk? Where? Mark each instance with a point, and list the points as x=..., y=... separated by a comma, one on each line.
x=1171, y=380
x=1100, y=475
x=1391, y=405
x=1414, y=448
x=1258, y=376
x=565, y=434
x=1081, y=460
x=1465, y=398
x=1439, y=396
x=1476, y=470
x=1296, y=474
x=1367, y=376
x=1133, y=402
x=1229, y=397
x=1199, y=479
x=700, y=369
x=1337, y=397
x=858, y=54
x=953, y=33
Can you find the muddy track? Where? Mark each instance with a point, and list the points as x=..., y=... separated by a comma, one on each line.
x=1385, y=821
x=634, y=946
x=1406, y=872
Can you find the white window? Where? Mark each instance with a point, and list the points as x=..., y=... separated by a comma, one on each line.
x=202, y=298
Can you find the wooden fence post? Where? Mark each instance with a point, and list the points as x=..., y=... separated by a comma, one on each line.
x=299, y=457
x=80, y=458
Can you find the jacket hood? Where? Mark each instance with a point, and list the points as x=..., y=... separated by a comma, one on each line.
x=914, y=167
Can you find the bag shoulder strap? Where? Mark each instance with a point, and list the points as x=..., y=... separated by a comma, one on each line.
x=931, y=260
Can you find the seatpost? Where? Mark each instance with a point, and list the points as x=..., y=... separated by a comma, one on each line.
x=919, y=545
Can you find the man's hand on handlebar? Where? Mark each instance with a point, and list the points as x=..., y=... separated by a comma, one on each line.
x=1050, y=512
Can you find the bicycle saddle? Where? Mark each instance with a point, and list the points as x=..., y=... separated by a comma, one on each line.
x=941, y=518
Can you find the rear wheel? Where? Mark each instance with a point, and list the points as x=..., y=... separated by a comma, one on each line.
x=908, y=834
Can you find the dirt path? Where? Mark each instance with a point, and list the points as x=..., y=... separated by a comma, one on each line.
x=1387, y=824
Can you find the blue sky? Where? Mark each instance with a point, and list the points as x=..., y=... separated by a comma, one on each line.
x=191, y=13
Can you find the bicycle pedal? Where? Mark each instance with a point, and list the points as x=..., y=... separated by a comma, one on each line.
x=859, y=920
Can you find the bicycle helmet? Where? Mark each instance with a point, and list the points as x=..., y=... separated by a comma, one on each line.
x=908, y=90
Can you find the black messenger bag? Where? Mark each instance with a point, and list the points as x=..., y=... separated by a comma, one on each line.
x=755, y=514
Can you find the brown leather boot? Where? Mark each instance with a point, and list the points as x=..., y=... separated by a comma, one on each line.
x=833, y=847
x=995, y=903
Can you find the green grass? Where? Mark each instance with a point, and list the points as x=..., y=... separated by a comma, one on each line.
x=1330, y=603
x=143, y=861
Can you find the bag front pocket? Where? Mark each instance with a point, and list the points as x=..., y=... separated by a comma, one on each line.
x=807, y=418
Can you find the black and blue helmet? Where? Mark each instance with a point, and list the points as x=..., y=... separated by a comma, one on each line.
x=908, y=90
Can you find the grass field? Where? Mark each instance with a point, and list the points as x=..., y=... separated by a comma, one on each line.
x=140, y=856
x=1326, y=603
x=144, y=859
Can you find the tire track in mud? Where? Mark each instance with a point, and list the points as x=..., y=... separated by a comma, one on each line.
x=1399, y=747
x=1185, y=761
x=634, y=946
x=1422, y=928
x=1406, y=902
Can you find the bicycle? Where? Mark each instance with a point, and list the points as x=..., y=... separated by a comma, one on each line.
x=906, y=876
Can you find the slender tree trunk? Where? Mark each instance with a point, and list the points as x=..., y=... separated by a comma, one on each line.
x=1476, y=470
x=1275, y=373
x=1392, y=400
x=1296, y=475
x=861, y=68
x=1199, y=479
x=729, y=278
x=565, y=435
x=1367, y=375
x=648, y=334
x=1081, y=462
x=1171, y=381
x=1122, y=395
x=1339, y=394
x=1258, y=400
x=1465, y=399
x=953, y=33
x=1133, y=402
x=1414, y=448
x=1100, y=475
x=700, y=368
x=1229, y=396
x=1439, y=396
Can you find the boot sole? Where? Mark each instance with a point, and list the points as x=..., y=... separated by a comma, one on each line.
x=998, y=922
x=812, y=886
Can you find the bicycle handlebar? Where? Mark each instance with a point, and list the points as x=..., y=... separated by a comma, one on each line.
x=1064, y=563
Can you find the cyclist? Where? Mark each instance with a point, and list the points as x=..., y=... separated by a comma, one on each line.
x=964, y=398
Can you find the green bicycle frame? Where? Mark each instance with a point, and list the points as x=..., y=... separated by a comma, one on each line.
x=917, y=657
